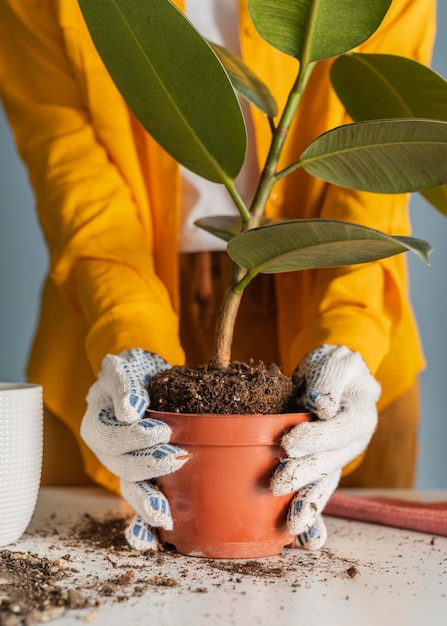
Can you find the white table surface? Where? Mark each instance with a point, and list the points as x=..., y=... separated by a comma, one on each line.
x=401, y=575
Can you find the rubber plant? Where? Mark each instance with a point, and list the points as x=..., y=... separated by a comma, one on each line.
x=397, y=144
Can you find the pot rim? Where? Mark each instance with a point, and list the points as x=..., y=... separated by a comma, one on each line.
x=205, y=429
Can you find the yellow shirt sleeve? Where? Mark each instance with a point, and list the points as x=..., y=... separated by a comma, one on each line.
x=108, y=248
x=94, y=215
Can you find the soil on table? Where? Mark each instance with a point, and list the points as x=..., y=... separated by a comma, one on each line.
x=37, y=589
x=240, y=388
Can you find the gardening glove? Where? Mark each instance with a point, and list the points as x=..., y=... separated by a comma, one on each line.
x=339, y=390
x=133, y=447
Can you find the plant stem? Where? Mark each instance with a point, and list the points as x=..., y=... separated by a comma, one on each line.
x=226, y=319
x=248, y=277
x=240, y=204
x=268, y=176
x=228, y=312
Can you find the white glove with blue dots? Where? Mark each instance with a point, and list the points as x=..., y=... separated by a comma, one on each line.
x=133, y=447
x=338, y=388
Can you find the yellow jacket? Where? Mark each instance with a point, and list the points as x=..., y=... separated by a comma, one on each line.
x=108, y=201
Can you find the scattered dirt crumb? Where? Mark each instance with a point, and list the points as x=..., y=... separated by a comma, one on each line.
x=162, y=581
x=352, y=571
x=126, y=578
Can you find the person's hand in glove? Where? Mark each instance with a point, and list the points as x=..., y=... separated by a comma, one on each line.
x=341, y=393
x=133, y=447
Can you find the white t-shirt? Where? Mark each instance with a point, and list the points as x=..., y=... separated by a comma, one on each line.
x=218, y=21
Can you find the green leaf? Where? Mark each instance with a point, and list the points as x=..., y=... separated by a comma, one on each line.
x=389, y=156
x=437, y=197
x=313, y=30
x=223, y=226
x=172, y=81
x=246, y=82
x=227, y=226
x=378, y=86
x=374, y=86
x=316, y=243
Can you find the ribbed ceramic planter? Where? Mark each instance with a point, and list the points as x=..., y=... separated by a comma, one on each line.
x=220, y=499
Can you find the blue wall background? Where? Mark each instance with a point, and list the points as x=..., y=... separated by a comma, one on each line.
x=23, y=263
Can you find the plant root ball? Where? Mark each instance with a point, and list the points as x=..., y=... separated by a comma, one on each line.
x=241, y=388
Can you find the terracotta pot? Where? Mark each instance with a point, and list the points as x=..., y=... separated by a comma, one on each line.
x=220, y=499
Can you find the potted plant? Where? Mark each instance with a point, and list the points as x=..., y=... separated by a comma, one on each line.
x=396, y=127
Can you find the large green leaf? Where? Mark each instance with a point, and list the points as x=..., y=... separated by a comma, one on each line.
x=312, y=30
x=172, y=81
x=377, y=86
x=390, y=156
x=307, y=244
x=246, y=82
x=374, y=86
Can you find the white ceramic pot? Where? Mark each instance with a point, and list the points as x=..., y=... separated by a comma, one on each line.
x=21, y=441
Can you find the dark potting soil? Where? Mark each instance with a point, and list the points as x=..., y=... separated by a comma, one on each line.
x=241, y=388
